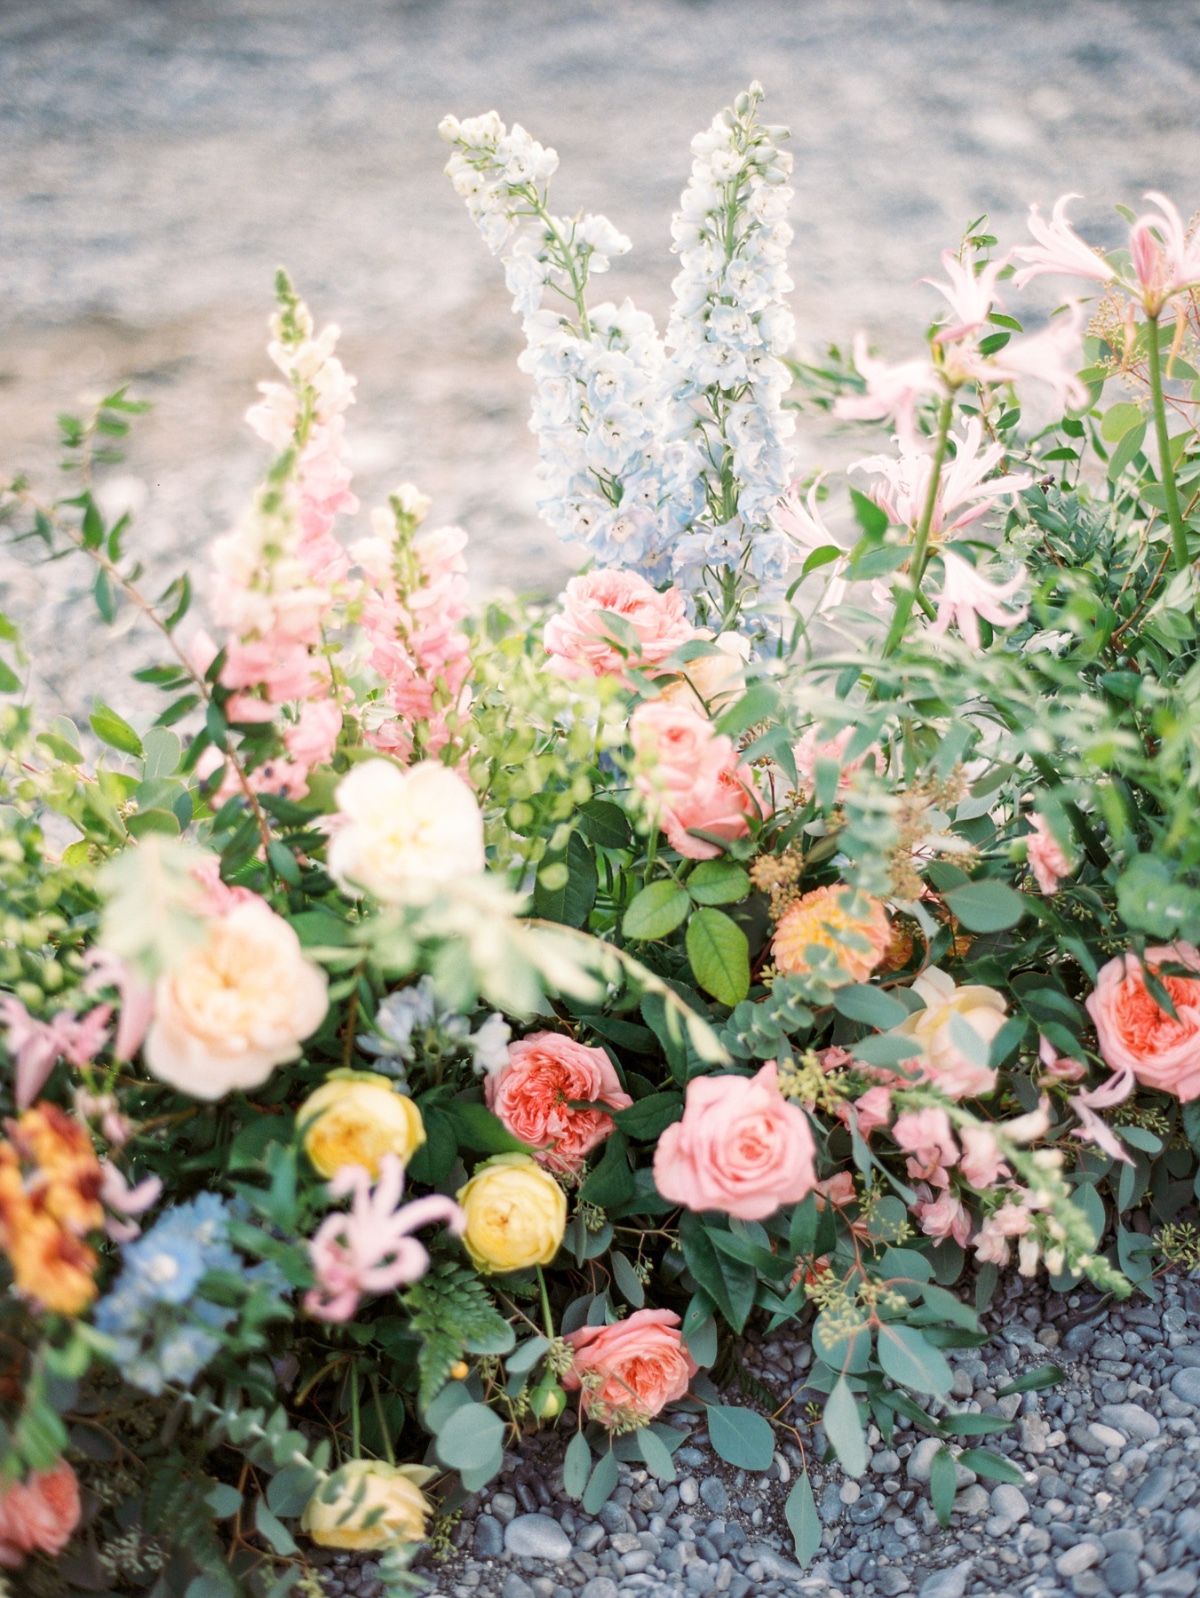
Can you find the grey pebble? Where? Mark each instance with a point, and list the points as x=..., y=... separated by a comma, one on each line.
x=1188, y=1355
x=1155, y=1488
x=1185, y=1384
x=774, y=1564
x=1008, y=1500
x=612, y=1516
x=1078, y=1559
x=712, y=1491
x=891, y=1582
x=950, y=1583
x=504, y=1507
x=599, y=1587
x=516, y=1587
x=537, y=1537
x=588, y=1537
x=1174, y=1583
x=1131, y=1419
x=1121, y=1573
x=489, y=1538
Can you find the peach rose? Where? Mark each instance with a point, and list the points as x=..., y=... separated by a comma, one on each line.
x=582, y=642
x=637, y=1364
x=690, y=777
x=39, y=1515
x=532, y=1096
x=740, y=1148
x=1136, y=1035
x=1047, y=858
x=941, y=1061
x=849, y=925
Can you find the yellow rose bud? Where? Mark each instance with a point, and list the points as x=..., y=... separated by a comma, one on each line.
x=393, y=1492
x=516, y=1214
x=355, y=1118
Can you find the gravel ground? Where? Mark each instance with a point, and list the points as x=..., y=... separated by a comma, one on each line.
x=1109, y=1504
x=158, y=158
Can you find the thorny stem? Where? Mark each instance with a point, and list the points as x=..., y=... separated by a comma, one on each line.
x=920, y=555
x=1179, y=546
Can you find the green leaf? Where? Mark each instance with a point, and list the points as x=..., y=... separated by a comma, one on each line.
x=522, y=1360
x=1033, y=1381
x=628, y=1285
x=984, y=1463
x=968, y=1425
x=656, y=1454
x=1118, y=419
x=869, y=516
x=610, y=1183
x=112, y=730
x=1189, y=1115
x=986, y=906
x=942, y=1485
x=740, y=1436
x=884, y=1049
x=718, y=882
x=605, y=824
x=758, y=703
x=275, y=1532
x=602, y=1484
x=223, y=1500
x=843, y=1345
x=913, y=1362
x=844, y=1429
x=479, y=1129
x=719, y=956
x=577, y=1466
x=729, y=1284
x=649, y=1118
x=1130, y=445
x=803, y=1521
x=702, y=1342
x=859, y=1001
x=471, y=1438
x=656, y=911
x=573, y=893
x=290, y=1489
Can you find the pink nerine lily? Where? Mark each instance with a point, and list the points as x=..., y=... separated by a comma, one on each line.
x=36, y=1045
x=1165, y=259
x=1059, y=249
x=892, y=391
x=971, y=295
x=1052, y=356
x=370, y=1249
x=116, y=1194
x=108, y=970
x=802, y=520
x=967, y=595
x=965, y=492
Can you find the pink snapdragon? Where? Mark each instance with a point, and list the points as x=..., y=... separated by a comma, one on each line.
x=1047, y=858
x=980, y=1163
x=925, y=1135
x=992, y=1242
x=968, y=595
x=942, y=1217
x=414, y=598
x=370, y=1249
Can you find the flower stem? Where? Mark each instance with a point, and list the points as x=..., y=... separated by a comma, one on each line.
x=546, y=1315
x=920, y=556
x=1179, y=544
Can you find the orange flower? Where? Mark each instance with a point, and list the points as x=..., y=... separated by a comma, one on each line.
x=849, y=925
x=50, y=1183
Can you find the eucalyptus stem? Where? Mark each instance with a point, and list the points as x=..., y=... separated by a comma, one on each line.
x=1179, y=546
x=546, y=1315
x=920, y=556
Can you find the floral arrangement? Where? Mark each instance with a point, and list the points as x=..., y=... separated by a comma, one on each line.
x=443, y=1022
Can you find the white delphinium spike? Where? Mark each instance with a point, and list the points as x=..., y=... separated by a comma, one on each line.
x=728, y=328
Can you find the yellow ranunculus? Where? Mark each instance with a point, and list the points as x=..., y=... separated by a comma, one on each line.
x=395, y=1490
x=355, y=1118
x=516, y=1214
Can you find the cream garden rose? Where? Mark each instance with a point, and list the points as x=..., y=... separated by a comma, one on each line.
x=235, y=1005
x=392, y=1502
x=398, y=828
x=516, y=1214
x=355, y=1118
x=943, y=1060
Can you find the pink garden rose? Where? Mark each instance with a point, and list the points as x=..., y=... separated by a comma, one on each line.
x=740, y=1148
x=583, y=643
x=1047, y=859
x=38, y=1515
x=810, y=749
x=532, y=1096
x=691, y=777
x=1136, y=1035
x=641, y=1364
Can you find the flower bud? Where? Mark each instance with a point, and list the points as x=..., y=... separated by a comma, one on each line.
x=547, y=1400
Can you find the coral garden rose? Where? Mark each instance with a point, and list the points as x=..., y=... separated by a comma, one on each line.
x=235, y=1005
x=1047, y=857
x=355, y=1118
x=396, y=829
x=582, y=641
x=710, y=681
x=833, y=920
x=516, y=1214
x=1136, y=1034
x=532, y=1096
x=638, y=1364
x=38, y=1515
x=740, y=1148
x=391, y=1511
x=691, y=778
x=941, y=1060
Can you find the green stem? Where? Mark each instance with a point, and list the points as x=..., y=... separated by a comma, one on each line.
x=920, y=556
x=355, y=1420
x=546, y=1315
x=379, y=1416
x=1179, y=546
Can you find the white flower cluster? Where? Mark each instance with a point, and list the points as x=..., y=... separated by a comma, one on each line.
x=665, y=464
x=728, y=328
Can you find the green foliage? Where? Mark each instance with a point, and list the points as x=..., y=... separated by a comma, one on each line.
x=452, y=1312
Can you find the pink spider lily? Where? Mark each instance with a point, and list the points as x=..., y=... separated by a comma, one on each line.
x=967, y=595
x=1059, y=249
x=37, y=1045
x=1052, y=356
x=892, y=391
x=964, y=494
x=802, y=521
x=108, y=970
x=1091, y=1128
x=971, y=295
x=118, y=1196
x=1166, y=261
x=370, y=1249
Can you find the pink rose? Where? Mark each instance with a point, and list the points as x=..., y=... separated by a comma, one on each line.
x=637, y=1364
x=1047, y=859
x=691, y=777
x=1136, y=1035
x=943, y=1217
x=38, y=1515
x=810, y=749
x=532, y=1096
x=740, y=1148
x=581, y=640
